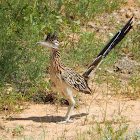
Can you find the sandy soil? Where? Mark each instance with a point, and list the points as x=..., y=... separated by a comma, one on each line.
x=39, y=120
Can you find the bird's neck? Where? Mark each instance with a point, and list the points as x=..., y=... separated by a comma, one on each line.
x=55, y=60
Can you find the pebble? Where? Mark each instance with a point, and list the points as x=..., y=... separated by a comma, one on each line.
x=131, y=9
x=122, y=11
x=114, y=13
x=128, y=14
x=91, y=25
x=101, y=31
x=106, y=27
x=136, y=13
x=111, y=34
x=118, y=22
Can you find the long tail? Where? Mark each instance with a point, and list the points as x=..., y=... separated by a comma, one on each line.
x=105, y=51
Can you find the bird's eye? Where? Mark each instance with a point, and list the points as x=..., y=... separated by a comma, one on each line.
x=55, y=42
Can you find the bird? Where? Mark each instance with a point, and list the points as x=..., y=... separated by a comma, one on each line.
x=67, y=81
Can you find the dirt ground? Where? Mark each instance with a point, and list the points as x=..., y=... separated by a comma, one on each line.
x=38, y=121
x=39, y=118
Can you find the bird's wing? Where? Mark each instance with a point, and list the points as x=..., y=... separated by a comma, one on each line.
x=75, y=80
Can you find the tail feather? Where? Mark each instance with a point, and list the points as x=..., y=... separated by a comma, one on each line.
x=110, y=45
x=92, y=67
x=107, y=45
x=119, y=37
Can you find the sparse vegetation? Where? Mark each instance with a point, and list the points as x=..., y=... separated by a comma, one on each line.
x=108, y=132
x=24, y=66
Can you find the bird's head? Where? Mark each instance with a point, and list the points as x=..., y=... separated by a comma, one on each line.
x=51, y=42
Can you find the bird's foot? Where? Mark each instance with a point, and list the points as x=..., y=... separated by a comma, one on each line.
x=66, y=121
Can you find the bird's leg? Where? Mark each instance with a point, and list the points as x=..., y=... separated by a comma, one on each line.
x=70, y=108
x=70, y=99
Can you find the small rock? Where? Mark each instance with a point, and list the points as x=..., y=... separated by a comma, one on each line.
x=122, y=11
x=128, y=14
x=106, y=27
x=101, y=31
x=111, y=34
x=118, y=22
x=114, y=13
x=91, y=25
x=131, y=9
x=109, y=71
x=135, y=13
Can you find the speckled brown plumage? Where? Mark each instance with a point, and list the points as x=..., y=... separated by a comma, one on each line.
x=68, y=82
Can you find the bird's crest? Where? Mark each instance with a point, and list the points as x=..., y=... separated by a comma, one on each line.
x=51, y=37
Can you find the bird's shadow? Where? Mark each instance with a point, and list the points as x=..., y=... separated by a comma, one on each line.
x=48, y=119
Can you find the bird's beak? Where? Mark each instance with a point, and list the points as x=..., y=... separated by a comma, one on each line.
x=48, y=45
x=45, y=44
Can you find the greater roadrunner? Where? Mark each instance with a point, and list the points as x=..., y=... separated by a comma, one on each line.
x=65, y=80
